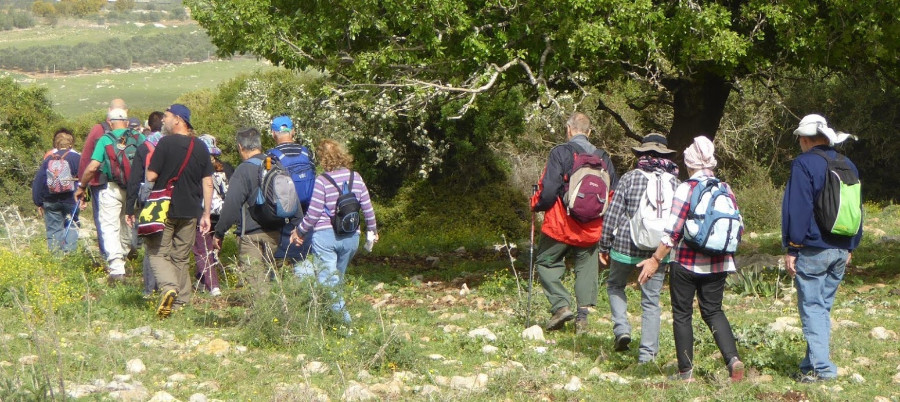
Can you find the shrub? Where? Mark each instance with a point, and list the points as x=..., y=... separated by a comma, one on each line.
x=758, y=198
x=43, y=281
x=284, y=316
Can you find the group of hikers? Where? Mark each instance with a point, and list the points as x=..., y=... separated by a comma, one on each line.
x=168, y=186
x=648, y=219
x=161, y=184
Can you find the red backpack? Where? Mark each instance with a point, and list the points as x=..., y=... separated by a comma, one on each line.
x=587, y=187
x=120, y=154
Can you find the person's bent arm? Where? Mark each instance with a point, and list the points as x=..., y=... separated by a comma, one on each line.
x=89, y=173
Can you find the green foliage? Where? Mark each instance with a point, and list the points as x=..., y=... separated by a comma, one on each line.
x=44, y=9
x=758, y=281
x=81, y=8
x=769, y=351
x=124, y=5
x=143, y=50
x=26, y=124
x=448, y=214
x=288, y=314
x=694, y=53
x=758, y=198
x=40, y=281
x=15, y=19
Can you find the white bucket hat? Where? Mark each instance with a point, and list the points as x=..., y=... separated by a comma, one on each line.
x=813, y=124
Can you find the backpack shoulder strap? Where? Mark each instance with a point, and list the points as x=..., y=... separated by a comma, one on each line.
x=333, y=183
x=276, y=153
x=350, y=185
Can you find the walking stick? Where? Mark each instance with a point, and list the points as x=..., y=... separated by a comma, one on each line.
x=65, y=239
x=534, y=188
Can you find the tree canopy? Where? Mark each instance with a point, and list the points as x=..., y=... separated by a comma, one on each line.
x=690, y=54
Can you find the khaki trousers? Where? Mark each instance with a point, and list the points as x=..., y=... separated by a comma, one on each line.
x=257, y=257
x=170, y=257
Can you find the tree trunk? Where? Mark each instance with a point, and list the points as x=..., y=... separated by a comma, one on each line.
x=699, y=106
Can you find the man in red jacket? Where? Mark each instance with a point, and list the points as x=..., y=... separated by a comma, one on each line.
x=99, y=181
x=562, y=233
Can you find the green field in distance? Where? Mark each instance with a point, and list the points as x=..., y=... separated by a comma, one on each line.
x=147, y=88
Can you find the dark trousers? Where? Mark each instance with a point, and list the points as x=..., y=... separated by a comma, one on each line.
x=709, y=288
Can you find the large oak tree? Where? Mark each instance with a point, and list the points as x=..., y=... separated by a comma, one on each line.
x=692, y=53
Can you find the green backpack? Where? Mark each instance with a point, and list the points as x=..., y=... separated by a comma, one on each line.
x=838, y=207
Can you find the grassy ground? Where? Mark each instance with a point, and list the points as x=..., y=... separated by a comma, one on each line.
x=411, y=338
x=150, y=88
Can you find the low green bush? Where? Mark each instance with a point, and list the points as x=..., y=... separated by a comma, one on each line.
x=759, y=199
x=45, y=282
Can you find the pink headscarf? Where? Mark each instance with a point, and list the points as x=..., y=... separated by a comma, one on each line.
x=699, y=155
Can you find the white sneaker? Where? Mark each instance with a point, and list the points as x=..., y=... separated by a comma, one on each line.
x=215, y=292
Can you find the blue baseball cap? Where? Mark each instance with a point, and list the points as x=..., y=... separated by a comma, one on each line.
x=181, y=111
x=282, y=123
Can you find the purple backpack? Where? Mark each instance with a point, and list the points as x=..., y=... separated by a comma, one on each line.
x=587, y=188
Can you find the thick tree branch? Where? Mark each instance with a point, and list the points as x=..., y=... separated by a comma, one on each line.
x=619, y=119
x=294, y=47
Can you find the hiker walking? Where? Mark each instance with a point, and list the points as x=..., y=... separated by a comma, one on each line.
x=339, y=197
x=633, y=227
x=819, y=236
x=53, y=192
x=111, y=159
x=300, y=163
x=189, y=206
x=562, y=232
x=136, y=183
x=99, y=181
x=257, y=241
x=205, y=254
x=698, y=271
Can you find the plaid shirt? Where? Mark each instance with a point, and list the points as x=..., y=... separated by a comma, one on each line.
x=617, y=220
x=689, y=258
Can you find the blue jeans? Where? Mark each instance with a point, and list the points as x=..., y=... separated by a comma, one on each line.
x=819, y=272
x=619, y=273
x=331, y=254
x=57, y=216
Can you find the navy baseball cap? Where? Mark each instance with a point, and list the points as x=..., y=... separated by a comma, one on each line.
x=181, y=111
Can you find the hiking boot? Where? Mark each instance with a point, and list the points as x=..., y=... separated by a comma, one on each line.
x=581, y=322
x=683, y=376
x=215, y=292
x=736, y=369
x=621, y=343
x=166, y=302
x=581, y=326
x=559, y=318
x=812, y=377
x=114, y=280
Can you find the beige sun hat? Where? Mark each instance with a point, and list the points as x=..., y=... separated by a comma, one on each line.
x=653, y=142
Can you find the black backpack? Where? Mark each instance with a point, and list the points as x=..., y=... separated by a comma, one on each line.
x=345, y=219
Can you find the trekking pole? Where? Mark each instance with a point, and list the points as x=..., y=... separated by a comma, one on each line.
x=65, y=239
x=534, y=188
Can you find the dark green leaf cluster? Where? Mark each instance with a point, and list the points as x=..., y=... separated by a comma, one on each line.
x=26, y=124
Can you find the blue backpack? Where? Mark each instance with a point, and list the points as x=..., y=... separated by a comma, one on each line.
x=714, y=223
x=302, y=172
